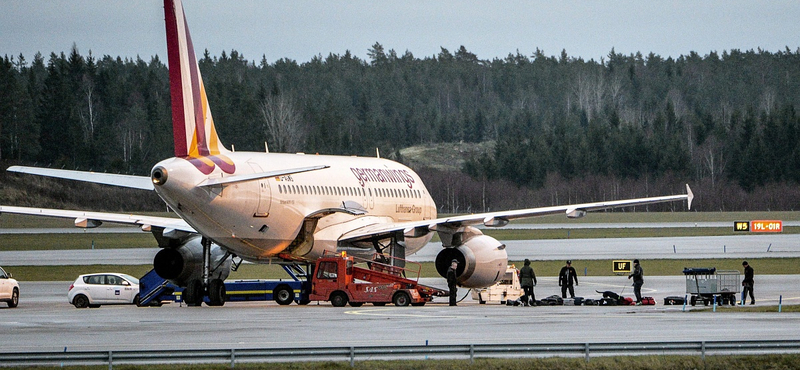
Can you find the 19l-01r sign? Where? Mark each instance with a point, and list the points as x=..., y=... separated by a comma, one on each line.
x=766, y=226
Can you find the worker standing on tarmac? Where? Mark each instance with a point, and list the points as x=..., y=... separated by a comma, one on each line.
x=565, y=279
x=638, y=281
x=451, y=281
x=527, y=279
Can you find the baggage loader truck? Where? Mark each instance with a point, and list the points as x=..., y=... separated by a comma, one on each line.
x=337, y=279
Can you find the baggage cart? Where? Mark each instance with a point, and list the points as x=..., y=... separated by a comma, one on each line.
x=710, y=284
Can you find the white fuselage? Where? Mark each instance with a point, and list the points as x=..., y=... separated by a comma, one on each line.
x=259, y=219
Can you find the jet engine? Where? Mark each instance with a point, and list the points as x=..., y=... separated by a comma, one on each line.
x=482, y=260
x=184, y=263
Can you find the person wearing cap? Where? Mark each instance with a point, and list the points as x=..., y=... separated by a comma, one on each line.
x=527, y=280
x=638, y=281
x=451, y=280
x=747, y=283
x=565, y=279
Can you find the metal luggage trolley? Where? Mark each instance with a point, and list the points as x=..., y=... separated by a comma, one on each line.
x=707, y=284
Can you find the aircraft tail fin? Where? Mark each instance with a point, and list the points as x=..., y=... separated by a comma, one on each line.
x=192, y=125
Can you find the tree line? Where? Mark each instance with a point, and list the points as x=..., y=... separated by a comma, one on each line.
x=626, y=125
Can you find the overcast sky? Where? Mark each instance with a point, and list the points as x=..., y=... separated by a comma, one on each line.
x=301, y=29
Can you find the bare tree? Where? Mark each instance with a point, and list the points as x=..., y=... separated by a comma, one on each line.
x=282, y=123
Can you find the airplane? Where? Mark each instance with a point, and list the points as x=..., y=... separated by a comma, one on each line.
x=288, y=208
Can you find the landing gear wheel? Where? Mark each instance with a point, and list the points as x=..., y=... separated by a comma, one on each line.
x=80, y=301
x=284, y=295
x=14, y=299
x=338, y=299
x=193, y=294
x=356, y=304
x=216, y=293
x=401, y=299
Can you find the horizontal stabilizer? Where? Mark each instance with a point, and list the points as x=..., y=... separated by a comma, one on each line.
x=125, y=181
x=256, y=176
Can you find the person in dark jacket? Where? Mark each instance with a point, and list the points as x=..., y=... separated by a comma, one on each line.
x=638, y=281
x=451, y=281
x=565, y=279
x=747, y=283
x=527, y=280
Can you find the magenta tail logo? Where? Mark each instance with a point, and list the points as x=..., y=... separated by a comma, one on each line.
x=193, y=129
x=206, y=164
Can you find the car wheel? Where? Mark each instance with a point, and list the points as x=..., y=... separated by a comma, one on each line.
x=338, y=299
x=136, y=301
x=284, y=295
x=216, y=293
x=80, y=301
x=401, y=299
x=14, y=299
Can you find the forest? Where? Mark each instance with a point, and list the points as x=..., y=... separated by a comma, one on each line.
x=561, y=129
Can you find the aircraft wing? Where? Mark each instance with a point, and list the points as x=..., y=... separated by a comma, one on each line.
x=94, y=219
x=499, y=219
x=127, y=181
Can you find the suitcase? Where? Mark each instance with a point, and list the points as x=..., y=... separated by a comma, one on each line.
x=553, y=300
x=673, y=300
x=569, y=301
x=578, y=301
x=648, y=301
x=608, y=302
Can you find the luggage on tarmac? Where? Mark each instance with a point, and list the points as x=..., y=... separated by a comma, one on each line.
x=673, y=300
x=648, y=301
x=578, y=301
x=590, y=302
x=553, y=300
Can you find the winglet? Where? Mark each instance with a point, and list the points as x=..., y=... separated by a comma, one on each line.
x=689, y=196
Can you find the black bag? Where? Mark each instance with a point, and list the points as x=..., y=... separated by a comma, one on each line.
x=608, y=302
x=578, y=301
x=673, y=300
x=553, y=300
x=590, y=302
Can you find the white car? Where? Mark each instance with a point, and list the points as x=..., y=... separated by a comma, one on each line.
x=92, y=290
x=9, y=289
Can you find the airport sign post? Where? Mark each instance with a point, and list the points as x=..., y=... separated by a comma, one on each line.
x=622, y=266
x=759, y=226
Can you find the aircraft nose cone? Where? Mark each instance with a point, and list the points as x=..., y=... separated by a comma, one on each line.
x=159, y=176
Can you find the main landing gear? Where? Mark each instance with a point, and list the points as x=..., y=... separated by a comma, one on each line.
x=197, y=289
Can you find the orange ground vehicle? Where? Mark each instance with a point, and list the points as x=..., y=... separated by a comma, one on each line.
x=337, y=279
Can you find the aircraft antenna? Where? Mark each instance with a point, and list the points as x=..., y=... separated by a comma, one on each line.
x=266, y=148
x=377, y=152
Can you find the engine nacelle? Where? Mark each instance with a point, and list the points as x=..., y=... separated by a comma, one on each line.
x=482, y=260
x=181, y=264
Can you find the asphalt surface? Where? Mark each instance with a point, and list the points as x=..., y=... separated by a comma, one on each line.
x=698, y=247
x=44, y=321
